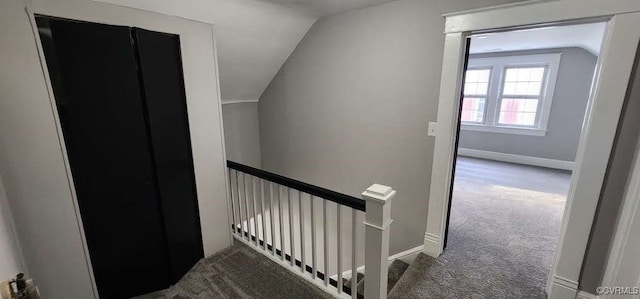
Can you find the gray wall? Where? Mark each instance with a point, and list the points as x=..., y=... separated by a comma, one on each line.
x=575, y=76
x=615, y=185
x=241, y=133
x=32, y=166
x=350, y=106
x=10, y=257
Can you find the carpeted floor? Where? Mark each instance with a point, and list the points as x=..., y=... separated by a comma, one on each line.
x=239, y=272
x=504, y=227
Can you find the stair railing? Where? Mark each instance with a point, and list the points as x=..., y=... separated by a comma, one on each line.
x=302, y=228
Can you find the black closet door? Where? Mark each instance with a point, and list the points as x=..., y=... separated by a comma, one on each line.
x=98, y=97
x=161, y=68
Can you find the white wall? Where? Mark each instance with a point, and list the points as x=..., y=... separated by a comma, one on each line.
x=241, y=133
x=350, y=107
x=10, y=256
x=254, y=37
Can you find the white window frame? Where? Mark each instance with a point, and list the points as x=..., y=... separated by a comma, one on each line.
x=487, y=96
x=496, y=83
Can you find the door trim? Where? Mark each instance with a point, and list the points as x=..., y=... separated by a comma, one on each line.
x=622, y=265
x=202, y=92
x=612, y=72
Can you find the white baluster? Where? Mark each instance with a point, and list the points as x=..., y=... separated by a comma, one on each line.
x=302, y=233
x=339, y=237
x=326, y=242
x=246, y=206
x=354, y=250
x=255, y=209
x=282, y=252
x=233, y=203
x=264, y=232
x=377, y=222
x=314, y=263
x=291, y=229
x=239, y=208
x=272, y=220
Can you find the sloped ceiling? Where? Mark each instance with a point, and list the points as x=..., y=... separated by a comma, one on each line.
x=254, y=38
x=327, y=7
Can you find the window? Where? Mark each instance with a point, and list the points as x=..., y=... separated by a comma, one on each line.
x=509, y=94
x=476, y=89
x=521, y=94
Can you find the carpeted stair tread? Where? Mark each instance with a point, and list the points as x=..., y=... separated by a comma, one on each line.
x=395, y=272
x=409, y=285
x=238, y=272
x=347, y=282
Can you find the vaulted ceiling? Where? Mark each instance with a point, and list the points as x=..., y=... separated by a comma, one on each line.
x=254, y=37
x=326, y=7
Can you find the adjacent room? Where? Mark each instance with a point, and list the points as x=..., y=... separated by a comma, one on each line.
x=526, y=93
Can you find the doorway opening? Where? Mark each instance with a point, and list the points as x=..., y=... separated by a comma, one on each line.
x=523, y=103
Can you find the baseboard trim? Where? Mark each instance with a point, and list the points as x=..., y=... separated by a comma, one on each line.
x=407, y=252
x=563, y=288
x=565, y=282
x=233, y=101
x=414, y=250
x=432, y=246
x=519, y=159
x=586, y=295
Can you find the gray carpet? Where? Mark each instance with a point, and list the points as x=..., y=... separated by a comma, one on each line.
x=347, y=282
x=395, y=272
x=505, y=222
x=239, y=272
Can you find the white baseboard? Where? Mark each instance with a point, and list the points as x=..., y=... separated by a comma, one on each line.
x=563, y=288
x=407, y=253
x=234, y=101
x=432, y=245
x=586, y=295
x=519, y=159
x=413, y=251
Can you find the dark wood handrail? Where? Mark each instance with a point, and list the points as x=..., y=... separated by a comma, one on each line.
x=339, y=198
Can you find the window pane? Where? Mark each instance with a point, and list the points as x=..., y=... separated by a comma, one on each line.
x=523, y=81
x=509, y=88
x=482, y=88
x=530, y=105
x=522, y=88
x=534, y=88
x=483, y=75
x=472, y=110
x=476, y=82
x=518, y=112
x=512, y=75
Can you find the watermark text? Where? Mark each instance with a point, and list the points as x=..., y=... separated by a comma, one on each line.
x=618, y=291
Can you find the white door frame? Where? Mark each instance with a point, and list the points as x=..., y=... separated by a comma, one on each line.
x=623, y=265
x=202, y=92
x=607, y=96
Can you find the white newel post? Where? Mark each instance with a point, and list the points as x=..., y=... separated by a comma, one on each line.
x=377, y=222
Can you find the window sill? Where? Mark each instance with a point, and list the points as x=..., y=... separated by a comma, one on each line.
x=504, y=130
